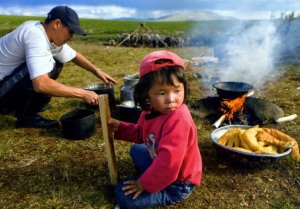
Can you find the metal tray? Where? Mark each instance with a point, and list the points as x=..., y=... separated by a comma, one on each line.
x=217, y=133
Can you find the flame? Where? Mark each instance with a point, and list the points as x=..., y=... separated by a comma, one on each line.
x=231, y=106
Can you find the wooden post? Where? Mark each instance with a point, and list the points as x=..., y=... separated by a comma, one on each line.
x=108, y=137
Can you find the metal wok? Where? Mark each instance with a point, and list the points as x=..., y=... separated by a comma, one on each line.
x=231, y=89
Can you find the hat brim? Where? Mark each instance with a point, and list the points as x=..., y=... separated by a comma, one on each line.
x=77, y=30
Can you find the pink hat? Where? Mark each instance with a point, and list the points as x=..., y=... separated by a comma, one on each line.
x=148, y=64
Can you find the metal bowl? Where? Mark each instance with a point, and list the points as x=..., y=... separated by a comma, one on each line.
x=236, y=155
x=102, y=89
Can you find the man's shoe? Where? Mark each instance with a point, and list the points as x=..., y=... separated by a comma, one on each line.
x=36, y=121
x=45, y=107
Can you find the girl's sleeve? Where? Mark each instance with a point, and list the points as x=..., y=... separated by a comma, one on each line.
x=130, y=132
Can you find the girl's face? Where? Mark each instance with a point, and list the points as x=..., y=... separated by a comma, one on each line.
x=165, y=98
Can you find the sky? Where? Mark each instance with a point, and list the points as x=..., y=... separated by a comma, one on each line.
x=112, y=9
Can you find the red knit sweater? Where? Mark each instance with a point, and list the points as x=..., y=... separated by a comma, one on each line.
x=172, y=143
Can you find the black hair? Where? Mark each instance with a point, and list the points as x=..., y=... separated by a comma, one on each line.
x=163, y=75
x=47, y=21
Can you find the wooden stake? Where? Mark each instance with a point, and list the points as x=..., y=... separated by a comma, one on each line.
x=108, y=137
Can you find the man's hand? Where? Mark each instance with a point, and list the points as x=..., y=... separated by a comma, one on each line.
x=45, y=85
x=107, y=79
x=90, y=97
x=83, y=62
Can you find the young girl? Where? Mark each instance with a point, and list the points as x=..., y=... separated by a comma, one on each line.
x=165, y=152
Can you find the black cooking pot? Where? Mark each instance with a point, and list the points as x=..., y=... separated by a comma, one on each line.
x=231, y=89
x=78, y=124
x=128, y=112
x=102, y=89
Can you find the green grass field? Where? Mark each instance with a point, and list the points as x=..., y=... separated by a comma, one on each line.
x=40, y=169
x=102, y=30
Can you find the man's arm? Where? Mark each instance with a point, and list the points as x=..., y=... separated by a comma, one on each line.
x=83, y=62
x=45, y=85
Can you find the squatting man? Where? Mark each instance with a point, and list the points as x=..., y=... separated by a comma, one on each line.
x=31, y=59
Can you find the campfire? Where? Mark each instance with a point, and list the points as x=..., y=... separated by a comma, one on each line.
x=232, y=98
x=231, y=107
x=236, y=105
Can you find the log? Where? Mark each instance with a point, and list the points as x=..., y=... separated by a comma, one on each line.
x=219, y=121
x=104, y=111
x=286, y=118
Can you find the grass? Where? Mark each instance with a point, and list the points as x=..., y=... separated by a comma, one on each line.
x=103, y=30
x=41, y=169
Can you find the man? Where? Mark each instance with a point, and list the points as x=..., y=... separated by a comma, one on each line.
x=31, y=58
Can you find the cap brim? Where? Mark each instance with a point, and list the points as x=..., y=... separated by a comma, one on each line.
x=77, y=29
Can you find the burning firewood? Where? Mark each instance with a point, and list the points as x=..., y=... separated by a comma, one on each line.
x=229, y=107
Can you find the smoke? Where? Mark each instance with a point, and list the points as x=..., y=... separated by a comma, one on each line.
x=290, y=49
x=249, y=54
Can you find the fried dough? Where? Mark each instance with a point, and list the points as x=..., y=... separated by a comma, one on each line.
x=250, y=138
x=266, y=148
x=242, y=149
x=271, y=149
x=284, y=137
x=244, y=144
x=266, y=137
x=228, y=135
x=260, y=141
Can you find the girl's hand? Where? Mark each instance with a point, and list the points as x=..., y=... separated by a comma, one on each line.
x=114, y=124
x=133, y=187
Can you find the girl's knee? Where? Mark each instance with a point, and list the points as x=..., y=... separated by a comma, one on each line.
x=138, y=150
x=134, y=150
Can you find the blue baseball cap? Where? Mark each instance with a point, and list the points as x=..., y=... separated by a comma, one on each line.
x=68, y=17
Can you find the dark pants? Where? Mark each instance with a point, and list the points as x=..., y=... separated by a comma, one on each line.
x=174, y=193
x=17, y=94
